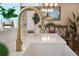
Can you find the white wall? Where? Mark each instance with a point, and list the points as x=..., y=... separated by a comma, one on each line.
x=66, y=11
x=30, y=22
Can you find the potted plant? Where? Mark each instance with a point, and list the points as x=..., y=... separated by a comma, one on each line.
x=3, y=50
x=73, y=27
x=36, y=20
x=8, y=14
x=49, y=25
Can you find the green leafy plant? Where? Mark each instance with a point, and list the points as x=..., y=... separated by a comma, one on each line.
x=7, y=14
x=3, y=50
x=49, y=25
x=36, y=18
x=73, y=24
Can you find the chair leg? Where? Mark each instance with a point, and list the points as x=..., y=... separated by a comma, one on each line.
x=67, y=42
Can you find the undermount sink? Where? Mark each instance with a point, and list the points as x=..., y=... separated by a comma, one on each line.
x=48, y=49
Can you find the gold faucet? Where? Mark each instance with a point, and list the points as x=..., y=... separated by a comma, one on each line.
x=19, y=40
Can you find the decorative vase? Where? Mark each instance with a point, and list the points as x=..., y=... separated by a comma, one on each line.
x=8, y=21
x=36, y=30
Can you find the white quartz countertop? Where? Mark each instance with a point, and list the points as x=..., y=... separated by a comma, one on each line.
x=44, y=38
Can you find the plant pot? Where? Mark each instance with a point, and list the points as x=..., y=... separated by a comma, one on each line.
x=8, y=22
x=3, y=50
x=36, y=31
